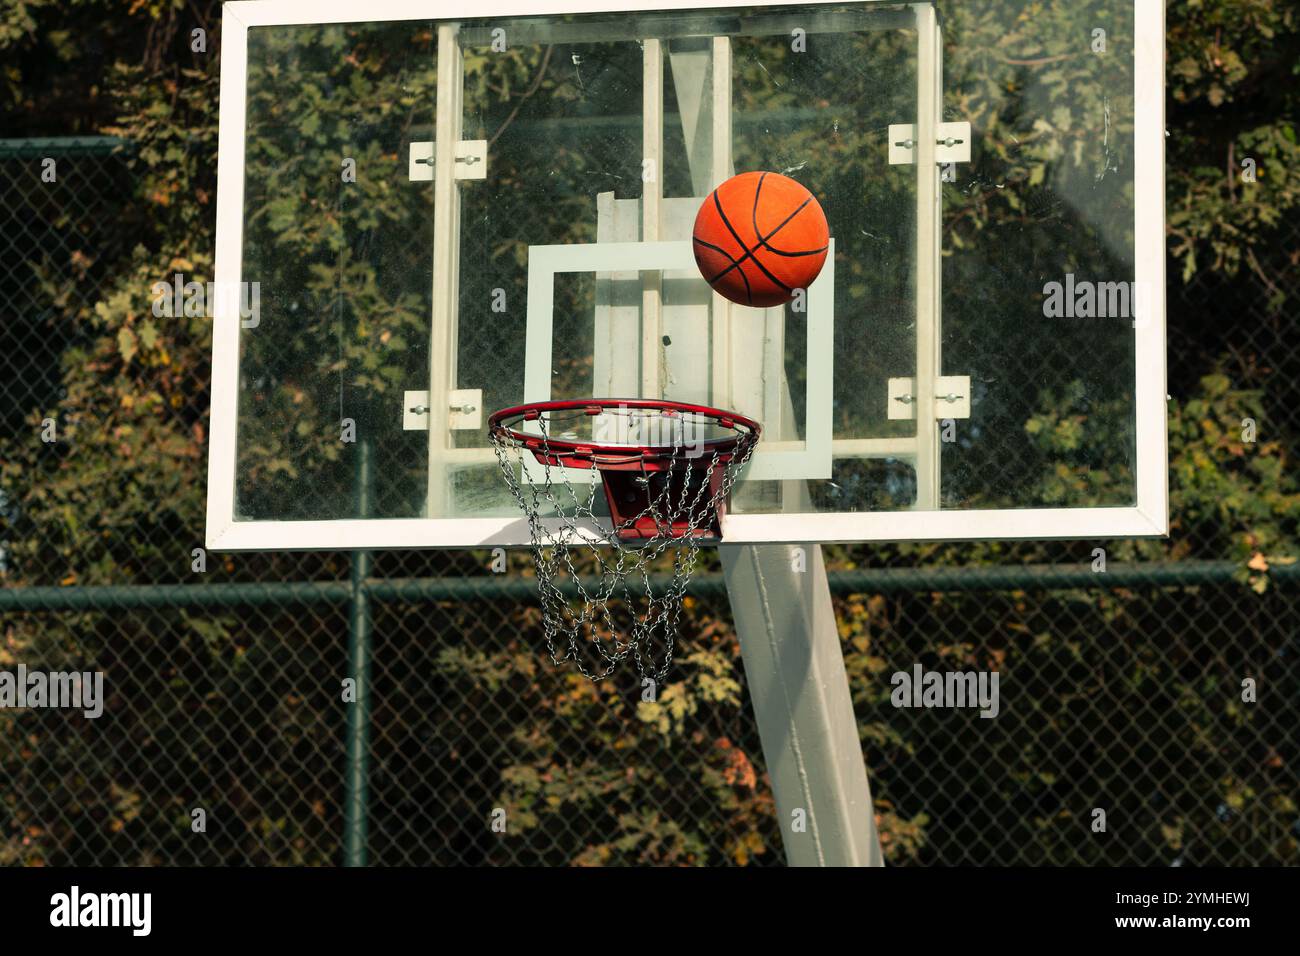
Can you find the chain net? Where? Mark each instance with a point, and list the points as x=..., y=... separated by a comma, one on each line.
x=593, y=567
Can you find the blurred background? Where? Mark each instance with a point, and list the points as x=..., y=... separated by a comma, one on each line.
x=223, y=671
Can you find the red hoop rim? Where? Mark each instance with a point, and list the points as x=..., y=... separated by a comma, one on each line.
x=502, y=424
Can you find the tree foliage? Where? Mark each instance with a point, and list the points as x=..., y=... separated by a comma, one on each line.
x=120, y=498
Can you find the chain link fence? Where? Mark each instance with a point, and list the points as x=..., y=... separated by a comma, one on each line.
x=225, y=737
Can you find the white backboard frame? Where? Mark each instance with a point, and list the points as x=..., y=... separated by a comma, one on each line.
x=773, y=461
x=1148, y=517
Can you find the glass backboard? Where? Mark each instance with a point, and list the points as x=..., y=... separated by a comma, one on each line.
x=445, y=217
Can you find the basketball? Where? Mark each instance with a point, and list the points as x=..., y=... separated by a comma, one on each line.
x=759, y=238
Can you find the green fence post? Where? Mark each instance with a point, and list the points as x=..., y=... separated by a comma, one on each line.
x=356, y=788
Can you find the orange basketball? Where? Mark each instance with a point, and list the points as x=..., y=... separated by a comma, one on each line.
x=760, y=237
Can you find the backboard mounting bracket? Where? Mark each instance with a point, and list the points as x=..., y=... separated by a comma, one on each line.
x=464, y=410
x=471, y=160
x=951, y=398
x=951, y=146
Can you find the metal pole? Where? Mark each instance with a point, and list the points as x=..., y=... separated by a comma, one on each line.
x=794, y=666
x=357, y=760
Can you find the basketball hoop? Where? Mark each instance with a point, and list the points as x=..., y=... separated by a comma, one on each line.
x=666, y=469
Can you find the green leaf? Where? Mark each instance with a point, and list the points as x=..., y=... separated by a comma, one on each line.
x=148, y=335
x=126, y=344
